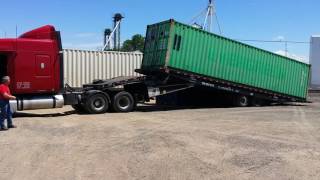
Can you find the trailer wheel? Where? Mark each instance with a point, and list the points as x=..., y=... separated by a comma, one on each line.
x=97, y=104
x=123, y=102
x=242, y=101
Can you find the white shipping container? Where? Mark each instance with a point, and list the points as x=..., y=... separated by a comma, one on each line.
x=81, y=66
x=315, y=60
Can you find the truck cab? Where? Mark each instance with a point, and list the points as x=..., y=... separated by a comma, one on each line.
x=33, y=61
x=35, y=65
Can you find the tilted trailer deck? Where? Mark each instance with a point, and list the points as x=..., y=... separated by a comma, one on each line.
x=123, y=93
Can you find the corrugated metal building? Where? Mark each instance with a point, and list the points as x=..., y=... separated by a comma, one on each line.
x=315, y=60
x=81, y=67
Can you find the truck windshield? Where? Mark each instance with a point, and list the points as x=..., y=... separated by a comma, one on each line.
x=3, y=65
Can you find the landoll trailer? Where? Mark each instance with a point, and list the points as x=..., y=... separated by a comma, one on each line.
x=177, y=57
x=207, y=59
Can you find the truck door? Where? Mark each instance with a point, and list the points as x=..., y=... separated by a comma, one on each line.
x=43, y=71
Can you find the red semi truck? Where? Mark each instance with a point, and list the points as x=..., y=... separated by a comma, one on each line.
x=34, y=61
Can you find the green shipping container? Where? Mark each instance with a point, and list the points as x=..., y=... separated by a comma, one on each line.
x=173, y=45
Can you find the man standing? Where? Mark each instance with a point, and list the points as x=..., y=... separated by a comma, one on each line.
x=5, y=96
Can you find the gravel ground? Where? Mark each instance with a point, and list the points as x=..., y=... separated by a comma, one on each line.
x=279, y=142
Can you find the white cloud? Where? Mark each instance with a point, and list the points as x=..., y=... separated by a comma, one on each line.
x=279, y=38
x=293, y=56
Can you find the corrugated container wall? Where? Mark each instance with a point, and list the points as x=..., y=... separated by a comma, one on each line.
x=173, y=45
x=81, y=67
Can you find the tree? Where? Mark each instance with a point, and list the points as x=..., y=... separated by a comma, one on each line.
x=136, y=43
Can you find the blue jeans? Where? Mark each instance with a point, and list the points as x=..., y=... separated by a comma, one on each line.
x=5, y=113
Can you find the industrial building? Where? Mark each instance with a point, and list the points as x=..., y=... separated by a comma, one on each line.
x=315, y=61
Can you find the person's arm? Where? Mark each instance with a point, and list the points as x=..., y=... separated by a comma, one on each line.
x=8, y=96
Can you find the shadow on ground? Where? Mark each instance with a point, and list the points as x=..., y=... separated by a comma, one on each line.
x=25, y=114
x=140, y=108
x=153, y=108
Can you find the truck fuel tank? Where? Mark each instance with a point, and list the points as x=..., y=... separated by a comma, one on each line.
x=37, y=102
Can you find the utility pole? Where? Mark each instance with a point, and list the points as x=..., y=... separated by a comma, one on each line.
x=209, y=14
x=207, y=24
x=16, y=31
x=286, y=48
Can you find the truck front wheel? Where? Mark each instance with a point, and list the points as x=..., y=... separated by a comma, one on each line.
x=123, y=102
x=97, y=104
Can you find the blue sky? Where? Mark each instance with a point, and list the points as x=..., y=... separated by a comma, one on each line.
x=82, y=22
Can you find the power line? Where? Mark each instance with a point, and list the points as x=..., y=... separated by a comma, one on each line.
x=220, y=31
x=194, y=18
x=279, y=41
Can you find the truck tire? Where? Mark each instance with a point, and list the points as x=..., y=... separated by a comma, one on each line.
x=123, y=102
x=241, y=101
x=97, y=104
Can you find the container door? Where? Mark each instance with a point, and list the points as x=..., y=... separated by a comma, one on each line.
x=156, y=45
